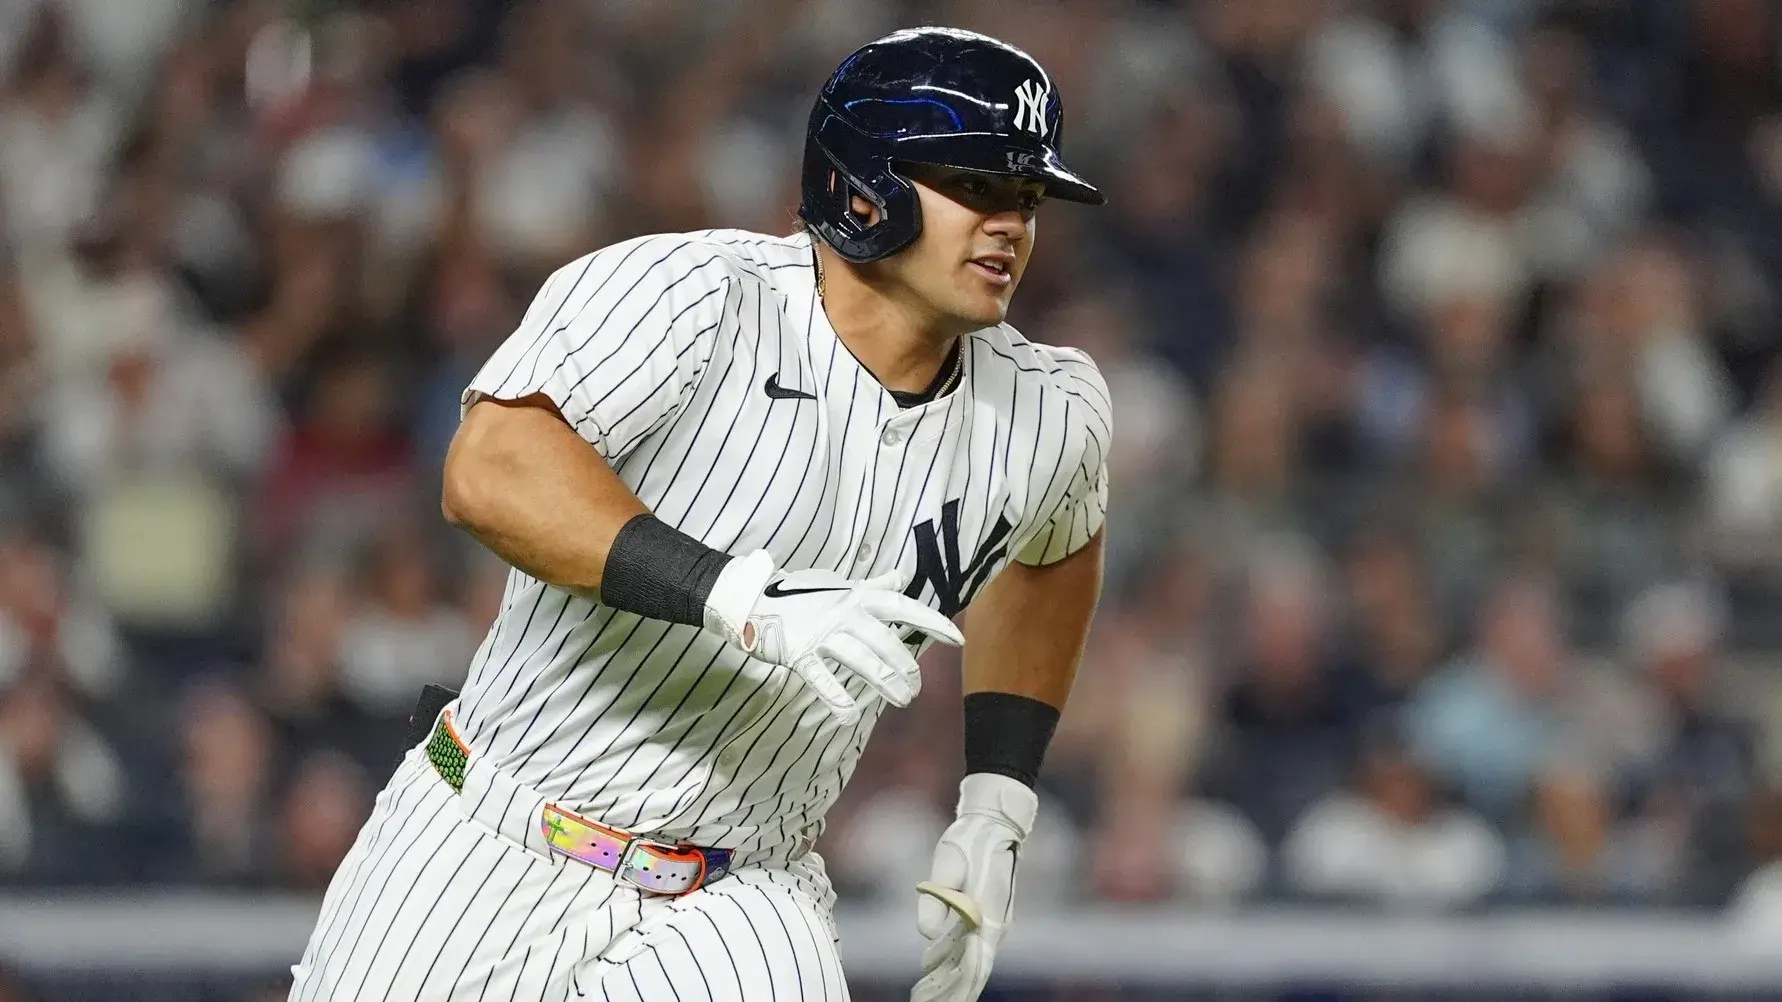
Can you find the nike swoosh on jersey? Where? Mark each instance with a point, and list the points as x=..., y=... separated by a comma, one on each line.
x=778, y=392
x=775, y=591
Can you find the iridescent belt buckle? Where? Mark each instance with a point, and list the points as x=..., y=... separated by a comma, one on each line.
x=661, y=868
x=656, y=867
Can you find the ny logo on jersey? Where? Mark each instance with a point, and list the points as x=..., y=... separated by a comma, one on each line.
x=937, y=560
x=1030, y=107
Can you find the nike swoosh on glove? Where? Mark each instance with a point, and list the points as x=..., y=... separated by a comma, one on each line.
x=809, y=620
x=966, y=903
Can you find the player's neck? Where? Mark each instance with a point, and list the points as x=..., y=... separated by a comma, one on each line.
x=901, y=344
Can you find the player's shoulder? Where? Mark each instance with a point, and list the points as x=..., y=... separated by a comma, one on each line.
x=692, y=260
x=1030, y=364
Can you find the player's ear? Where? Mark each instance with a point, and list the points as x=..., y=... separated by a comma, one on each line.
x=864, y=209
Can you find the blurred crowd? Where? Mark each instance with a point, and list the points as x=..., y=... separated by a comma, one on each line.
x=1445, y=550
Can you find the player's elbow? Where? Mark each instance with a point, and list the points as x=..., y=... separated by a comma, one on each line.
x=494, y=459
x=472, y=468
x=457, y=493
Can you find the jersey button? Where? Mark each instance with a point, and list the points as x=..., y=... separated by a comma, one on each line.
x=892, y=436
x=864, y=554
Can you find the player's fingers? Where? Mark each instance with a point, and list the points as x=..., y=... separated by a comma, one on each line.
x=948, y=872
x=889, y=607
x=890, y=650
x=941, y=957
x=823, y=682
x=974, y=967
x=857, y=656
x=961, y=903
x=935, y=986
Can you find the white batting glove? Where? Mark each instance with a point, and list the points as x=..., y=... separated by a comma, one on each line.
x=966, y=903
x=806, y=620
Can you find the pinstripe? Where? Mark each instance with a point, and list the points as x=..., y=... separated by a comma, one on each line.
x=443, y=940
x=472, y=719
x=637, y=624
x=420, y=822
x=499, y=915
x=495, y=735
x=817, y=952
x=717, y=459
x=785, y=931
x=698, y=967
x=444, y=832
x=519, y=976
x=530, y=351
x=825, y=954
x=427, y=914
x=667, y=287
x=760, y=944
x=718, y=934
x=642, y=704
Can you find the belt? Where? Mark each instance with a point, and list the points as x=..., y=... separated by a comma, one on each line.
x=657, y=867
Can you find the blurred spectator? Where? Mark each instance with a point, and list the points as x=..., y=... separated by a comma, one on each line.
x=47, y=623
x=344, y=463
x=226, y=775
x=1468, y=241
x=299, y=686
x=1287, y=734
x=1518, y=701
x=1580, y=851
x=326, y=802
x=1744, y=484
x=405, y=633
x=60, y=783
x=1390, y=840
x=1704, y=767
x=1755, y=914
x=1395, y=629
x=57, y=135
x=165, y=397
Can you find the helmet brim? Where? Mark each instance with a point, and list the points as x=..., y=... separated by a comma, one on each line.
x=993, y=155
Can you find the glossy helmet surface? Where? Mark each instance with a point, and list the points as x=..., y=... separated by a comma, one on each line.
x=937, y=96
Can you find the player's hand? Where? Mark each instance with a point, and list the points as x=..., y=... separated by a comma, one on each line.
x=806, y=620
x=967, y=901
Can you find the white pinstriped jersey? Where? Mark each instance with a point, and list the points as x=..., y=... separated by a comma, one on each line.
x=658, y=352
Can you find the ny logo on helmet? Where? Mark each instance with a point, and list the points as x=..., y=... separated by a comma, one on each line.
x=1030, y=107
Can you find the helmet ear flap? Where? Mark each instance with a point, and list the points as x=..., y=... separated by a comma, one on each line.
x=832, y=180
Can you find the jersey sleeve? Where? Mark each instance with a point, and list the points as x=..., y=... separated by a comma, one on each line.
x=1081, y=502
x=618, y=339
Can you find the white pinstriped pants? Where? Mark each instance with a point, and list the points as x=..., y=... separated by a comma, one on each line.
x=439, y=901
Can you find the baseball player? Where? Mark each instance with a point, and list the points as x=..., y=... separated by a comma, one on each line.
x=742, y=481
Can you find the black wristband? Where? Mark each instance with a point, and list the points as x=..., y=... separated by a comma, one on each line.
x=1007, y=734
x=660, y=572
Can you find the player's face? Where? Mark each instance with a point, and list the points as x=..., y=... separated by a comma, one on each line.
x=977, y=234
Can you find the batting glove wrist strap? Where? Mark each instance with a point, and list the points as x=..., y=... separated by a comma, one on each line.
x=1001, y=799
x=818, y=623
x=733, y=596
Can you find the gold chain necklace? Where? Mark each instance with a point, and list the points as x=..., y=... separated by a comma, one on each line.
x=958, y=351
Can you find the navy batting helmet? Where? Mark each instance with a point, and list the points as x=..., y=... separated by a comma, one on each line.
x=937, y=96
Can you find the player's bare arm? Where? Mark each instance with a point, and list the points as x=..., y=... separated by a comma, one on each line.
x=1026, y=630
x=525, y=485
